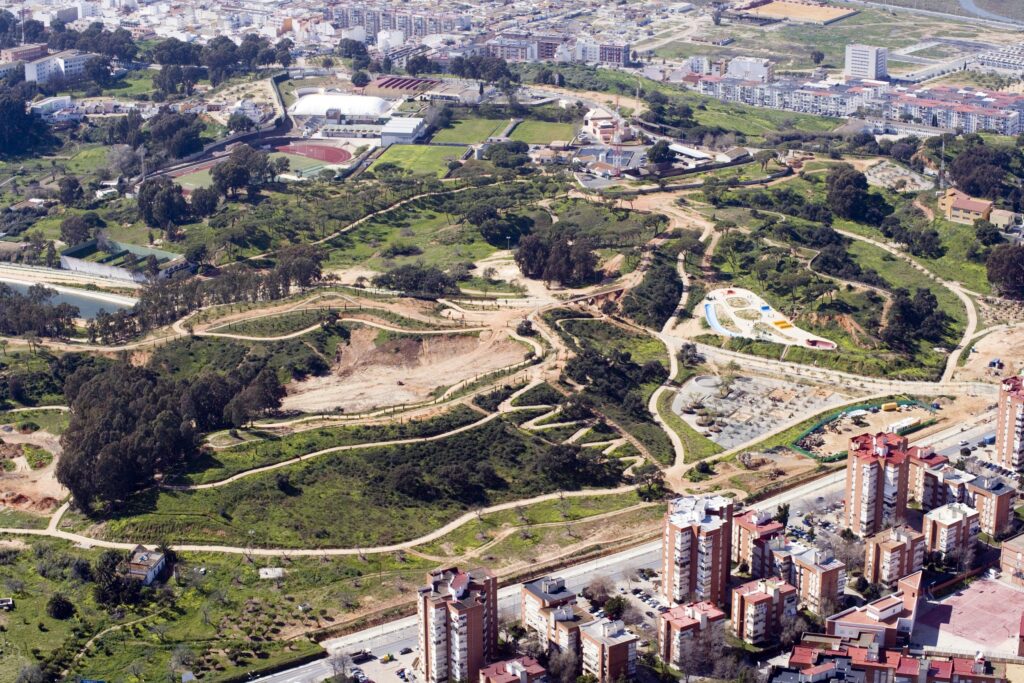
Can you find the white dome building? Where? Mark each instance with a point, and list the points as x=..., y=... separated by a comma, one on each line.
x=342, y=106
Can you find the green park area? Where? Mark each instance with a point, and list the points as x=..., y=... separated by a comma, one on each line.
x=470, y=131
x=430, y=159
x=542, y=132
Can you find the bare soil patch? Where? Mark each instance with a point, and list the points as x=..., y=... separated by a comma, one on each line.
x=1006, y=345
x=27, y=489
x=373, y=374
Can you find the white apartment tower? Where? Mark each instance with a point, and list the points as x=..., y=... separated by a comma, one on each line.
x=866, y=62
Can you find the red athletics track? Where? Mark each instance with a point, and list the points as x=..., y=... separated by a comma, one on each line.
x=330, y=155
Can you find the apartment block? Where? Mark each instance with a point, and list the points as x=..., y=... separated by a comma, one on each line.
x=11, y=68
x=751, y=532
x=458, y=624
x=887, y=620
x=608, y=650
x=759, y=607
x=519, y=670
x=923, y=473
x=1011, y=560
x=682, y=624
x=1010, y=424
x=892, y=554
x=866, y=61
x=751, y=69
x=877, y=482
x=820, y=580
x=696, y=549
x=549, y=610
x=24, y=53
x=951, y=529
x=994, y=500
x=69, y=65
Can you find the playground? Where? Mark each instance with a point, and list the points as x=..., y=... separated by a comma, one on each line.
x=737, y=312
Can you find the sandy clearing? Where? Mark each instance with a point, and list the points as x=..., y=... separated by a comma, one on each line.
x=400, y=371
x=1006, y=344
x=33, y=490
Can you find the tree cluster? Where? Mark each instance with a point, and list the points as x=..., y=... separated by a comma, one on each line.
x=417, y=281
x=34, y=313
x=914, y=318
x=557, y=259
x=848, y=196
x=21, y=131
x=221, y=56
x=1005, y=268
x=116, y=44
x=512, y=154
x=655, y=299
x=129, y=424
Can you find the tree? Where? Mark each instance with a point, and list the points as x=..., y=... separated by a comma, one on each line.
x=782, y=514
x=848, y=196
x=204, y=200
x=76, y=229
x=817, y=56
x=661, y=153
x=615, y=606
x=1005, y=269
x=351, y=48
x=21, y=131
x=97, y=70
x=59, y=607
x=161, y=203
x=240, y=123
x=229, y=177
x=69, y=190
x=360, y=79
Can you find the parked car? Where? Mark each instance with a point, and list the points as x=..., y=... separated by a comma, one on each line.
x=405, y=651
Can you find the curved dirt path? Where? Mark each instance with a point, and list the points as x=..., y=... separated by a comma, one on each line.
x=52, y=532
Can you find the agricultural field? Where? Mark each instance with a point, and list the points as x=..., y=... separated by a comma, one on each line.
x=543, y=132
x=427, y=159
x=470, y=131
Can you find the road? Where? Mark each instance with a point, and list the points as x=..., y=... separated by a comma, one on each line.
x=394, y=635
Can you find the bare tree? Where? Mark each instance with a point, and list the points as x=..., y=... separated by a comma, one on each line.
x=599, y=589
x=562, y=666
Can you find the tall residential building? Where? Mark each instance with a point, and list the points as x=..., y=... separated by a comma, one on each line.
x=951, y=529
x=69, y=65
x=758, y=608
x=458, y=624
x=892, y=554
x=680, y=625
x=993, y=499
x=877, y=481
x=751, y=532
x=924, y=468
x=548, y=610
x=820, y=580
x=608, y=650
x=696, y=549
x=866, y=61
x=1010, y=424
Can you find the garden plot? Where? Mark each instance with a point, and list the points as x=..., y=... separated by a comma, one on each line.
x=737, y=312
x=738, y=411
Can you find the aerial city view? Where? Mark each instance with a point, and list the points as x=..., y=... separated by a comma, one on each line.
x=533, y=341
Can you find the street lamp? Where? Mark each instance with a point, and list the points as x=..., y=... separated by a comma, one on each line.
x=508, y=242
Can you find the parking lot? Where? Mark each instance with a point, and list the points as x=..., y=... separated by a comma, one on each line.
x=393, y=667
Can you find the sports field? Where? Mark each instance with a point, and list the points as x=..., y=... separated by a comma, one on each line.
x=420, y=158
x=543, y=132
x=470, y=131
x=801, y=12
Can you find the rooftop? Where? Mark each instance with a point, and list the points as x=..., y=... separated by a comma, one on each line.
x=607, y=631
x=951, y=513
x=705, y=511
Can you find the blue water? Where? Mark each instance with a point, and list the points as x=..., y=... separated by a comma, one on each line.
x=709, y=313
x=88, y=306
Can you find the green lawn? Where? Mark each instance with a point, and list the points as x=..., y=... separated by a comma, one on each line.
x=88, y=161
x=415, y=232
x=134, y=83
x=196, y=179
x=696, y=446
x=470, y=131
x=420, y=158
x=543, y=132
